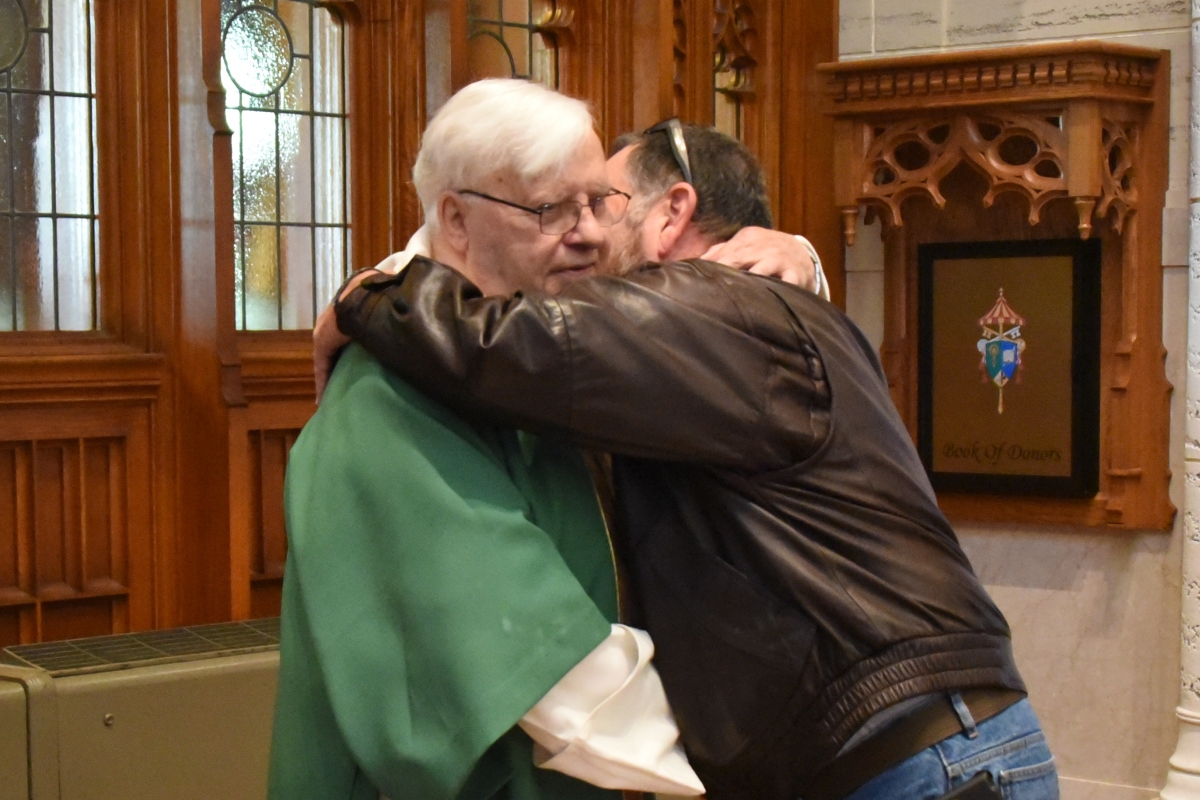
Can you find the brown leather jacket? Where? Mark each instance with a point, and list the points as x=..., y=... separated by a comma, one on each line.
x=783, y=541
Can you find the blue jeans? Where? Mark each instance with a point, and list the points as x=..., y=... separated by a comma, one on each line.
x=1010, y=745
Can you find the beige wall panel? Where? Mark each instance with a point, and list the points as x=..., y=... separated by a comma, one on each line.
x=856, y=29
x=974, y=23
x=14, y=743
x=196, y=730
x=907, y=24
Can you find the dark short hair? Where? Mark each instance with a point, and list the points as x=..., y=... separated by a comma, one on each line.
x=730, y=189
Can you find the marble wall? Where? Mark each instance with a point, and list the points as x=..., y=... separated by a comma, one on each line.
x=1095, y=615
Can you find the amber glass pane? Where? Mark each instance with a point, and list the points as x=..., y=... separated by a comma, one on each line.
x=284, y=70
x=503, y=41
x=47, y=166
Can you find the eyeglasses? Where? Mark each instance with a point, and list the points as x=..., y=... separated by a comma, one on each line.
x=555, y=219
x=673, y=128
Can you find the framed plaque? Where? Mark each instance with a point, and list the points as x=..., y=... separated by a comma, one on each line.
x=1009, y=366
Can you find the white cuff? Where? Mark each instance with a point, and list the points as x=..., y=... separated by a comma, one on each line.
x=821, y=286
x=607, y=722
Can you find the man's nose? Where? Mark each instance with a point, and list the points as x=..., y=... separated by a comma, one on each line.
x=587, y=232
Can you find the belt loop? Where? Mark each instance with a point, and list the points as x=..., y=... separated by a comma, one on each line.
x=964, y=715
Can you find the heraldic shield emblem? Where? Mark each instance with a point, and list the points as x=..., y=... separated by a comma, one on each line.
x=1001, y=346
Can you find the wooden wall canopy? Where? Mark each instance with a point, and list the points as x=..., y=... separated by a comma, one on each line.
x=1034, y=142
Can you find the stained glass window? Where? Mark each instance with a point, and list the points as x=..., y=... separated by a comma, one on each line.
x=284, y=71
x=48, y=197
x=503, y=41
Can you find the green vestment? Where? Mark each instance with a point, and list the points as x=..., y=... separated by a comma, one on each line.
x=441, y=578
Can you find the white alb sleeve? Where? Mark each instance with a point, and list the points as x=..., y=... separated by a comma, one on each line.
x=822, y=286
x=607, y=722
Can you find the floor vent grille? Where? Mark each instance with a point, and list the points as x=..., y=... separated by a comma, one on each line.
x=101, y=653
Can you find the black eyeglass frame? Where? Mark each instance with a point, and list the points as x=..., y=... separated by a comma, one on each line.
x=673, y=128
x=549, y=206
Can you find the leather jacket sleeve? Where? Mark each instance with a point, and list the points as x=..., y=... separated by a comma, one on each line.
x=660, y=364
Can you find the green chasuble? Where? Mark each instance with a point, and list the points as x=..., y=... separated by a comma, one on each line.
x=441, y=578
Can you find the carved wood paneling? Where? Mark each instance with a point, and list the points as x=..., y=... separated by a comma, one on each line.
x=76, y=557
x=261, y=436
x=1001, y=75
x=268, y=536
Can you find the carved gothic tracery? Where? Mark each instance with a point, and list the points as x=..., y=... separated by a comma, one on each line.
x=1014, y=152
x=1038, y=120
x=1119, y=190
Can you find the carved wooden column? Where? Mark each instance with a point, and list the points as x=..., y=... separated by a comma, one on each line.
x=1036, y=142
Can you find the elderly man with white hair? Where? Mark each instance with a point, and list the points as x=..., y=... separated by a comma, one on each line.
x=449, y=617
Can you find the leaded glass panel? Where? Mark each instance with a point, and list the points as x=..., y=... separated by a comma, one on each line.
x=284, y=71
x=48, y=194
x=503, y=41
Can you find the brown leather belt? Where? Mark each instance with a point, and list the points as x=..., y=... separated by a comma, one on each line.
x=903, y=739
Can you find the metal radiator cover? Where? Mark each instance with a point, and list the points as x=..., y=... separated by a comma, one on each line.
x=183, y=714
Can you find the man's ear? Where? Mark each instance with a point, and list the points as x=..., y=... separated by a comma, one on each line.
x=452, y=221
x=677, y=208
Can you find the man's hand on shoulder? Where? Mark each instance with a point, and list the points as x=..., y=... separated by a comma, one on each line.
x=772, y=253
x=328, y=340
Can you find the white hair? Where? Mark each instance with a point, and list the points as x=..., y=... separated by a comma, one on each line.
x=493, y=125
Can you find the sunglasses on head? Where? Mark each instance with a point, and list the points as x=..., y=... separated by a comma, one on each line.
x=673, y=128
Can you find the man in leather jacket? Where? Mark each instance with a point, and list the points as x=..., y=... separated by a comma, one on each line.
x=819, y=631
